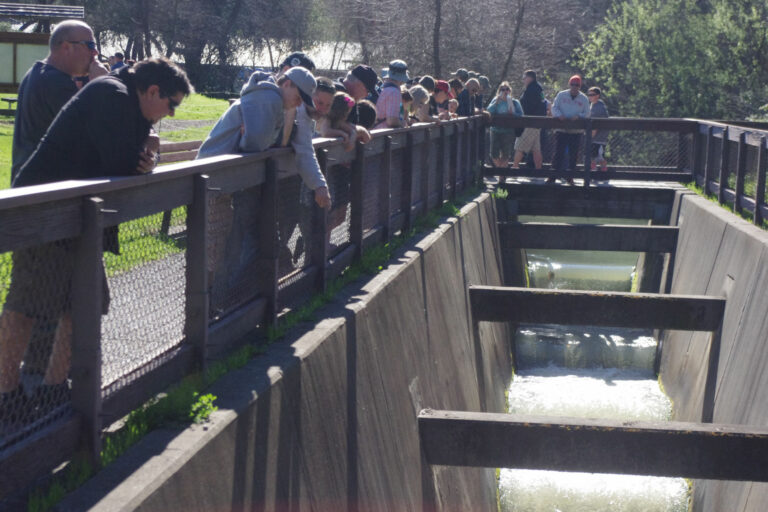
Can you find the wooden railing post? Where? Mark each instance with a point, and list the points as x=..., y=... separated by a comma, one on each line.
x=356, y=200
x=724, y=163
x=269, y=242
x=453, y=170
x=741, y=169
x=320, y=232
x=709, y=165
x=762, y=160
x=467, y=154
x=406, y=197
x=681, y=151
x=385, y=194
x=442, y=164
x=697, y=157
x=587, y=150
x=87, y=297
x=197, y=294
x=426, y=148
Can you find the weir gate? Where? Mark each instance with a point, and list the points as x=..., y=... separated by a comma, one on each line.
x=184, y=295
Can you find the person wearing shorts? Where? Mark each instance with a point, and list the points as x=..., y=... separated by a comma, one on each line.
x=83, y=142
x=533, y=104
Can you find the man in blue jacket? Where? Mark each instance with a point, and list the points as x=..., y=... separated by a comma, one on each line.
x=533, y=104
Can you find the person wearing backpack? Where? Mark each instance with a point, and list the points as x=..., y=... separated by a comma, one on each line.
x=533, y=104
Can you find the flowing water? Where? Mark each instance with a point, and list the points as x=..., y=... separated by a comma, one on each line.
x=589, y=372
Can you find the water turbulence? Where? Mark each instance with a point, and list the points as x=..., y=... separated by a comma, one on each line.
x=589, y=372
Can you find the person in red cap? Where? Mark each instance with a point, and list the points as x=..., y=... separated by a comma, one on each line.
x=438, y=101
x=569, y=104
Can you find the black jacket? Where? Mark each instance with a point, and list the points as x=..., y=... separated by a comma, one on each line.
x=100, y=132
x=532, y=100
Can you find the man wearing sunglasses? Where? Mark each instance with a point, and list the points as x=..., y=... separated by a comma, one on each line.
x=102, y=131
x=49, y=84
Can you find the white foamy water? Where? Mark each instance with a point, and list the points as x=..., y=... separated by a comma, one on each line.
x=589, y=393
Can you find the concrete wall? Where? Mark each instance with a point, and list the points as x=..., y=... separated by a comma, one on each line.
x=326, y=421
x=721, y=254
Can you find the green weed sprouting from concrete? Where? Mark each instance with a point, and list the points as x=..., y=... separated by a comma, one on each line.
x=184, y=402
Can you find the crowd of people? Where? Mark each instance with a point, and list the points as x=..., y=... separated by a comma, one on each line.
x=65, y=130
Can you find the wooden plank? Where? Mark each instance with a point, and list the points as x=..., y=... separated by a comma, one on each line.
x=609, y=123
x=356, y=201
x=385, y=194
x=587, y=155
x=709, y=164
x=741, y=170
x=425, y=165
x=320, y=233
x=762, y=160
x=609, y=309
x=181, y=156
x=724, y=163
x=269, y=243
x=747, y=203
x=27, y=226
x=174, y=147
x=197, y=292
x=691, y=450
x=87, y=297
x=589, y=237
x=642, y=174
x=453, y=173
x=579, y=207
x=143, y=200
x=406, y=195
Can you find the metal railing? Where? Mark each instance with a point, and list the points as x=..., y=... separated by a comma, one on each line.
x=245, y=240
x=637, y=149
x=730, y=162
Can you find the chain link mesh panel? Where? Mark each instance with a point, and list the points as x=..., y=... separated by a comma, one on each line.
x=35, y=337
x=372, y=173
x=295, y=219
x=147, y=283
x=233, y=243
x=339, y=179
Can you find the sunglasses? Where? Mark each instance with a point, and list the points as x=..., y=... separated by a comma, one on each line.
x=173, y=104
x=91, y=45
x=592, y=94
x=575, y=85
x=504, y=89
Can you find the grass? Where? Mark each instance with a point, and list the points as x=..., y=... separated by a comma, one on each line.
x=198, y=107
x=744, y=214
x=193, y=133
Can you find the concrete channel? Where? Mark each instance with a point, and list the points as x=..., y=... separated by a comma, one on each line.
x=329, y=418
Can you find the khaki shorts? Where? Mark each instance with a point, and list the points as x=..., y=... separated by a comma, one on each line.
x=529, y=141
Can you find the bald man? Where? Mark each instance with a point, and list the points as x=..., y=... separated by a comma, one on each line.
x=49, y=84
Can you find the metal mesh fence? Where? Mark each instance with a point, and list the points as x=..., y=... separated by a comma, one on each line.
x=147, y=286
x=295, y=220
x=35, y=337
x=339, y=179
x=372, y=173
x=233, y=249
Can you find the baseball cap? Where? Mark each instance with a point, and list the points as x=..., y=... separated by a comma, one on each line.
x=442, y=85
x=472, y=74
x=367, y=75
x=575, y=79
x=398, y=70
x=306, y=83
x=298, y=59
x=325, y=85
x=427, y=82
x=462, y=73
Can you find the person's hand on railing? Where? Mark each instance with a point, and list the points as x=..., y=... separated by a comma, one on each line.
x=323, y=198
x=147, y=161
x=363, y=135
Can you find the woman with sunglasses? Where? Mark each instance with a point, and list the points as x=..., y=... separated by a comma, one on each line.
x=503, y=139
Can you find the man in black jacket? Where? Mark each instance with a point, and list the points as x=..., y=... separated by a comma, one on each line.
x=533, y=104
x=102, y=131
